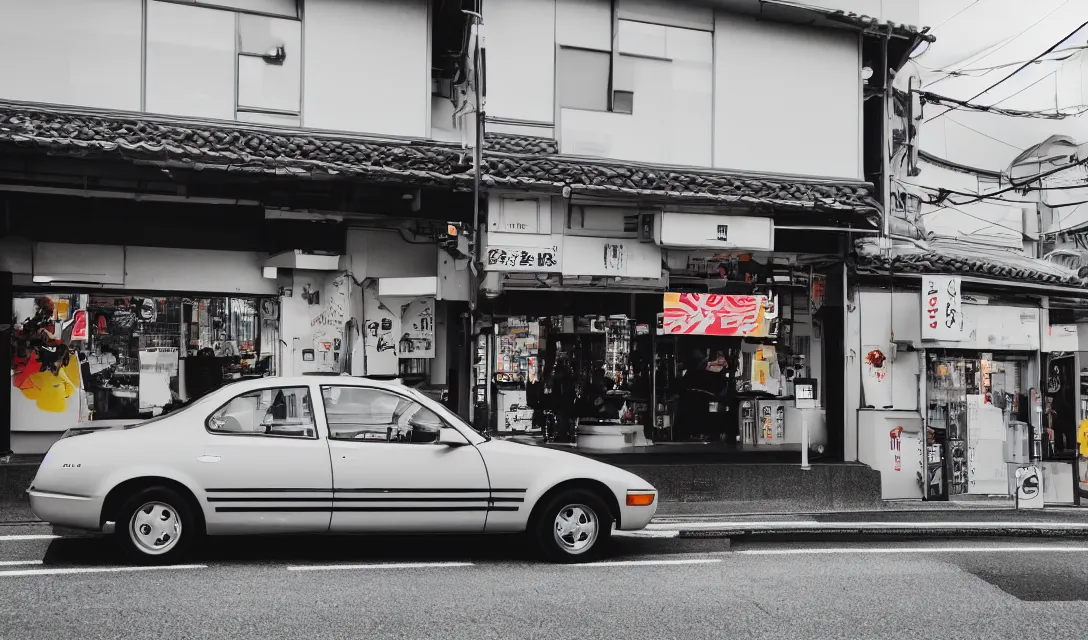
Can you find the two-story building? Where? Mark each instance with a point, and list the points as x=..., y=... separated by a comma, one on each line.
x=672, y=192
x=194, y=192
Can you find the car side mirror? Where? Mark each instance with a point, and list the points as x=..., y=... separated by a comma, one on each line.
x=451, y=437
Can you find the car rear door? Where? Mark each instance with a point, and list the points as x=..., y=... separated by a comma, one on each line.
x=265, y=466
x=390, y=473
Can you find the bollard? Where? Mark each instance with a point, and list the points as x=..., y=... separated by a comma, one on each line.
x=804, y=443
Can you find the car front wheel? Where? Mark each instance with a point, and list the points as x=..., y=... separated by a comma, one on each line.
x=574, y=526
x=156, y=526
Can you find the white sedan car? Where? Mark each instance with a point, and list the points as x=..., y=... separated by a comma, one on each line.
x=336, y=455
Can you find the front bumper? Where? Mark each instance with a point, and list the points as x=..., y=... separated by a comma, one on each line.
x=65, y=510
x=633, y=518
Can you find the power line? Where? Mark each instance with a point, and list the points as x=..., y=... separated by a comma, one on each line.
x=1019, y=232
x=1043, y=114
x=985, y=70
x=1003, y=44
x=954, y=16
x=984, y=135
x=1018, y=69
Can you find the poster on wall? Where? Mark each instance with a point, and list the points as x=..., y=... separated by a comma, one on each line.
x=417, y=329
x=876, y=384
x=327, y=307
x=712, y=314
x=942, y=313
x=381, y=330
x=45, y=374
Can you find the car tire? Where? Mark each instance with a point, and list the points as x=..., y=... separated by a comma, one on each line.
x=156, y=526
x=573, y=526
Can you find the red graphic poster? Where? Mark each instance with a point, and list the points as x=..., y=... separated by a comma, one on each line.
x=714, y=314
x=79, y=325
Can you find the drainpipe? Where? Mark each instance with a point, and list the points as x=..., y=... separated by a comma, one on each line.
x=885, y=140
x=477, y=150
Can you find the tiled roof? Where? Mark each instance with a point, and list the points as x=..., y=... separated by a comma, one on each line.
x=593, y=176
x=241, y=148
x=870, y=23
x=943, y=262
x=509, y=161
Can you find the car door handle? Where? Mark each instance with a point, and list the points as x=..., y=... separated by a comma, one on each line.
x=208, y=459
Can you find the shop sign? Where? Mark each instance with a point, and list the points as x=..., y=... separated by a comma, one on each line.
x=718, y=315
x=520, y=259
x=942, y=315
x=523, y=252
x=1029, y=488
x=707, y=231
x=619, y=257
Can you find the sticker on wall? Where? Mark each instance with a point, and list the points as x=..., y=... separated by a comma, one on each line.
x=896, y=447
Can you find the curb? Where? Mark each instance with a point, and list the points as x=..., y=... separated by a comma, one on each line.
x=875, y=533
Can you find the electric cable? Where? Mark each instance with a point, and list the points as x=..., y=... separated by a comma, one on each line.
x=1018, y=69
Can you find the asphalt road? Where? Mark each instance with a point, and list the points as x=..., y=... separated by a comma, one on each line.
x=490, y=588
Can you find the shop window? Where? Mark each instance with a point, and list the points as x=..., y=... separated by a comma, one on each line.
x=283, y=412
x=376, y=415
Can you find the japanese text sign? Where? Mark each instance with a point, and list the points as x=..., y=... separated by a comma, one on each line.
x=942, y=313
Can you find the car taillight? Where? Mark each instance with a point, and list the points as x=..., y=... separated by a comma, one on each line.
x=640, y=499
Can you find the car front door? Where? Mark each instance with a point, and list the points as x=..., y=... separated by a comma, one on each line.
x=391, y=475
x=265, y=467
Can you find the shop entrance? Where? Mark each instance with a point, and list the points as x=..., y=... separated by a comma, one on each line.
x=603, y=372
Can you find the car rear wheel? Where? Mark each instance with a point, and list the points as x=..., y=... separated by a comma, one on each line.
x=574, y=526
x=156, y=526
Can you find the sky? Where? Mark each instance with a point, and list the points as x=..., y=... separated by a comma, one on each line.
x=980, y=43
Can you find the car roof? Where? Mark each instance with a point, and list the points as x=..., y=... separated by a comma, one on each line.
x=305, y=381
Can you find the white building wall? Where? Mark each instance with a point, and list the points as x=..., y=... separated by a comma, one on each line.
x=71, y=52
x=787, y=98
x=521, y=59
x=351, y=65
x=367, y=66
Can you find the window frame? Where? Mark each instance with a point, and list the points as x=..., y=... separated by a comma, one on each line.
x=445, y=424
x=313, y=415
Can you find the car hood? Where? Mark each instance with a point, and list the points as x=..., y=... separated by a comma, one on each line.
x=572, y=463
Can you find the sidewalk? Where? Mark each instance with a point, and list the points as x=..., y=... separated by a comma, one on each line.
x=929, y=521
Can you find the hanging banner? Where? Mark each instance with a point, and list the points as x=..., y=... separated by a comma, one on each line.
x=711, y=314
x=942, y=316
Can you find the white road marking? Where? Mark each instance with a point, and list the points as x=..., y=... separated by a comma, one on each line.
x=665, y=533
x=29, y=536
x=76, y=570
x=15, y=563
x=380, y=565
x=799, y=552
x=639, y=563
x=812, y=524
x=692, y=526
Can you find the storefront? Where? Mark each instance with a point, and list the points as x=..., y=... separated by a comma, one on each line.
x=961, y=391
x=98, y=356
x=619, y=330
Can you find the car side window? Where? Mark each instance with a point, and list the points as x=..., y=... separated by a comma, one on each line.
x=376, y=415
x=279, y=412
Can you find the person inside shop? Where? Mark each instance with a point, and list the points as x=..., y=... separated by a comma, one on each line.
x=561, y=402
x=596, y=403
x=698, y=388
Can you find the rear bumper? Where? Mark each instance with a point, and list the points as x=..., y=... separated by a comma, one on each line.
x=76, y=512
